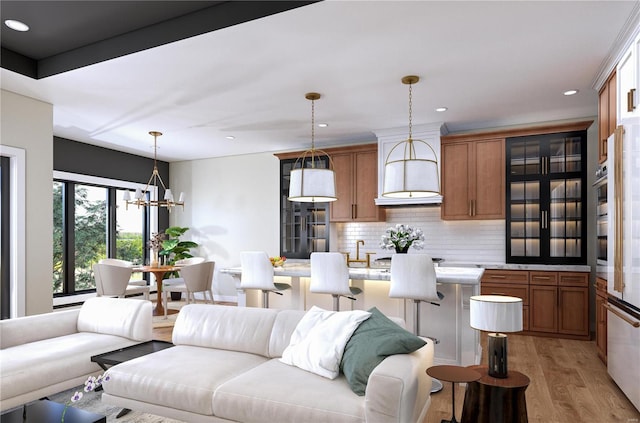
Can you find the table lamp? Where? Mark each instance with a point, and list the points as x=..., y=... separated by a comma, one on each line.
x=496, y=314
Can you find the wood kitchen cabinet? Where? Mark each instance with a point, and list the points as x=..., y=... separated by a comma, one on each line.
x=601, y=319
x=356, y=170
x=559, y=303
x=607, y=118
x=473, y=178
x=553, y=303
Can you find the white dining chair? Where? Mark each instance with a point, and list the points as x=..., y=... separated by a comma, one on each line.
x=179, y=263
x=123, y=263
x=330, y=275
x=197, y=277
x=257, y=273
x=113, y=281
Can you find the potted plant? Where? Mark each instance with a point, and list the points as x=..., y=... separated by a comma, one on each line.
x=173, y=250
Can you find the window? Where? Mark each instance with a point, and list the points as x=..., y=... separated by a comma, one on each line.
x=5, y=276
x=90, y=223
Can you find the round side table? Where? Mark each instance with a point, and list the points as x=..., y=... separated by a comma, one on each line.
x=453, y=374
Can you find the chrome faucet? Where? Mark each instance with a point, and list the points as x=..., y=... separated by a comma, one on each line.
x=358, y=259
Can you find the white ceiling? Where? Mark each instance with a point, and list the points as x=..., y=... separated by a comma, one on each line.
x=491, y=63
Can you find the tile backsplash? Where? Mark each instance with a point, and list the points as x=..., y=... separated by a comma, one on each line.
x=479, y=241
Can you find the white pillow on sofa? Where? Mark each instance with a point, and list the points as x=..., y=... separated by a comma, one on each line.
x=318, y=342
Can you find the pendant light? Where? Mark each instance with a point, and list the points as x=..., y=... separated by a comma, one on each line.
x=140, y=198
x=312, y=180
x=411, y=176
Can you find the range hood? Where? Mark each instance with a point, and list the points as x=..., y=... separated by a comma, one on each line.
x=387, y=138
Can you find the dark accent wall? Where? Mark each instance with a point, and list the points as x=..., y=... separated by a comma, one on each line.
x=86, y=159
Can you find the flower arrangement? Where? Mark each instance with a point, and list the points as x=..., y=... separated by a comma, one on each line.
x=401, y=237
x=91, y=384
x=155, y=242
x=277, y=260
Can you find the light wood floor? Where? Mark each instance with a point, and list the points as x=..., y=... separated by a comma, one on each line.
x=568, y=383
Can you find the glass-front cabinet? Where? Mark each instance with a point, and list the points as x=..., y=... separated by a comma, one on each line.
x=546, y=194
x=304, y=227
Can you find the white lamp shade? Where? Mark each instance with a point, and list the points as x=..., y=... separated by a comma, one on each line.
x=411, y=178
x=496, y=313
x=312, y=185
x=138, y=195
x=168, y=195
x=181, y=198
x=126, y=196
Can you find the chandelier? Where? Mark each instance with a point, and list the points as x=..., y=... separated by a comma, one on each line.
x=140, y=196
x=411, y=176
x=312, y=179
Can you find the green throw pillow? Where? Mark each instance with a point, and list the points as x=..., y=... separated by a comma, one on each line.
x=374, y=340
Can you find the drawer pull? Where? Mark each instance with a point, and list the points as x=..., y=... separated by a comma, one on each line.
x=633, y=323
x=498, y=277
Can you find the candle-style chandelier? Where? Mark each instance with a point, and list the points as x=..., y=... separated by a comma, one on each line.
x=140, y=197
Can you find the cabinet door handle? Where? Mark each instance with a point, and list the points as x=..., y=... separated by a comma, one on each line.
x=604, y=147
x=354, y=211
x=473, y=202
x=470, y=208
x=630, y=96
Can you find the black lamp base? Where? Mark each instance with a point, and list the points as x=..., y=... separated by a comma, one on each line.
x=497, y=352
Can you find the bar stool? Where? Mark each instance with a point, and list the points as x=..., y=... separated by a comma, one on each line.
x=413, y=276
x=330, y=275
x=257, y=273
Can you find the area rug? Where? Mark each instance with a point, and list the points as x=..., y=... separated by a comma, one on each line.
x=92, y=402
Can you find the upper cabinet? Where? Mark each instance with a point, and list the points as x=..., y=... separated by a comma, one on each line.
x=628, y=82
x=473, y=176
x=356, y=171
x=607, y=117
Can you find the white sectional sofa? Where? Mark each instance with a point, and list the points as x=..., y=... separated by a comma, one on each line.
x=225, y=367
x=47, y=353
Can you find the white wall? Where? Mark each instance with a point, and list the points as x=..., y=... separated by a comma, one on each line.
x=232, y=205
x=28, y=124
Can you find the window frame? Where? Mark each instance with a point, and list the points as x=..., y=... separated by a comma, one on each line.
x=112, y=185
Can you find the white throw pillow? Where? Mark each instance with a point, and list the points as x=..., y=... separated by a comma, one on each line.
x=318, y=342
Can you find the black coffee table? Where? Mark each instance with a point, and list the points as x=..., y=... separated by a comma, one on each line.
x=121, y=355
x=45, y=411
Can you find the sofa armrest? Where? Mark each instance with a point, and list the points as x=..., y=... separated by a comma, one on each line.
x=23, y=330
x=129, y=318
x=398, y=388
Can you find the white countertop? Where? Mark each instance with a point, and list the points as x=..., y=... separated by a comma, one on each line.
x=516, y=266
x=452, y=275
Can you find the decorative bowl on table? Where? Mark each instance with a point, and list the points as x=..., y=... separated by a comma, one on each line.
x=277, y=261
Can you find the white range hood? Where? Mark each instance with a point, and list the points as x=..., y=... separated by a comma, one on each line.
x=387, y=138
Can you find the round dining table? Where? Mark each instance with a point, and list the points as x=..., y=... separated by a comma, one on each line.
x=159, y=272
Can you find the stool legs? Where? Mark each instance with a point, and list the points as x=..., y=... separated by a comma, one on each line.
x=436, y=385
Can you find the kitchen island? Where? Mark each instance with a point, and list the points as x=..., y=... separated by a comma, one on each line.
x=459, y=343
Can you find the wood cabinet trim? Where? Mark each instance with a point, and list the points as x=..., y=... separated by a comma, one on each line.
x=517, y=132
x=330, y=151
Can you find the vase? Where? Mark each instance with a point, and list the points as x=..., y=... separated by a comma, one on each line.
x=402, y=250
x=154, y=258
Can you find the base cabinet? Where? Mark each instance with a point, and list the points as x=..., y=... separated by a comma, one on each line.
x=601, y=319
x=553, y=303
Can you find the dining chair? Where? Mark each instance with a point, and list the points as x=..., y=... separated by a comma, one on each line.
x=123, y=263
x=330, y=275
x=113, y=281
x=413, y=276
x=257, y=273
x=183, y=262
x=197, y=277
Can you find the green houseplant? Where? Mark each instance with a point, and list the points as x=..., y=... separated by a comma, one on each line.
x=173, y=250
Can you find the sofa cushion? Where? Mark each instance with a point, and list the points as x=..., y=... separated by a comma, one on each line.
x=244, y=329
x=183, y=377
x=283, y=327
x=375, y=339
x=29, y=329
x=318, y=341
x=129, y=318
x=276, y=392
x=25, y=367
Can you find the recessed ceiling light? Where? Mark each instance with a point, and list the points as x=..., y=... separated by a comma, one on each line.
x=323, y=125
x=16, y=25
x=230, y=137
x=570, y=92
x=441, y=109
